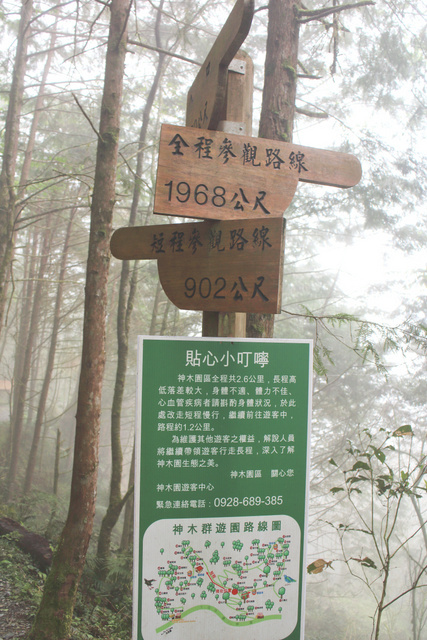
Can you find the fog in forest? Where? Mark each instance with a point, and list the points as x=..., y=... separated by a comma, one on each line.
x=354, y=282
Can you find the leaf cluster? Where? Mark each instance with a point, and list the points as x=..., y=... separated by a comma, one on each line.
x=369, y=341
x=387, y=483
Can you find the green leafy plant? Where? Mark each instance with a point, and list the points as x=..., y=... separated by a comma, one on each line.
x=104, y=609
x=385, y=479
x=17, y=569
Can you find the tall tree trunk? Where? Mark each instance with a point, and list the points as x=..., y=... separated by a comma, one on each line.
x=155, y=311
x=53, y=619
x=278, y=105
x=50, y=359
x=163, y=328
x=38, y=109
x=28, y=288
x=19, y=406
x=10, y=152
x=127, y=291
x=127, y=531
x=116, y=501
x=280, y=79
x=22, y=332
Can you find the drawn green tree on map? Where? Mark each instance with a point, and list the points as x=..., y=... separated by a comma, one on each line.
x=215, y=557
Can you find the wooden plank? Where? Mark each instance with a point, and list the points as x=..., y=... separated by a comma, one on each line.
x=223, y=176
x=222, y=266
x=206, y=98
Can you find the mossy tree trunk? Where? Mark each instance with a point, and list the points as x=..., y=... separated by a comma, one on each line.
x=53, y=619
x=278, y=104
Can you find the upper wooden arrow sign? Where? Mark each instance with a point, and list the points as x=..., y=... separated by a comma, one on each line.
x=206, y=97
x=223, y=266
x=221, y=176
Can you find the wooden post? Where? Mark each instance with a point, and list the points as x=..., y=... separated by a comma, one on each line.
x=236, y=118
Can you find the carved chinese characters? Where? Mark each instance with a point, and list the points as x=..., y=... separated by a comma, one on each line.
x=223, y=266
x=217, y=175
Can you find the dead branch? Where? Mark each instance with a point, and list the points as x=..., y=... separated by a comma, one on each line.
x=87, y=117
x=164, y=51
x=311, y=114
x=308, y=15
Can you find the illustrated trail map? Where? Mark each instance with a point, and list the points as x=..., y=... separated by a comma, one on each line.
x=198, y=576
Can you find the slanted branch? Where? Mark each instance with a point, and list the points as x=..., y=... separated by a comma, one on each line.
x=163, y=52
x=312, y=114
x=308, y=15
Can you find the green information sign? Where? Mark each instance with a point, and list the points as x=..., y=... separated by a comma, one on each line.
x=221, y=488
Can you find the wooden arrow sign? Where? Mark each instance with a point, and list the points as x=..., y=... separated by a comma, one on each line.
x=221, y=176
x=233, y=265
x=207, y=95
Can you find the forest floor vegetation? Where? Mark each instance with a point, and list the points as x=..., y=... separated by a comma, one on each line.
x=102, y=612
x=20, y=587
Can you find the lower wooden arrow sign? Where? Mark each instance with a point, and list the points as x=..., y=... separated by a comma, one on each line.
x=230, y=265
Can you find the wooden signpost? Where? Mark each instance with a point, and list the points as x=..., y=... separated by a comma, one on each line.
x=220, y=176
x=206, y=98
x=241, y=186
